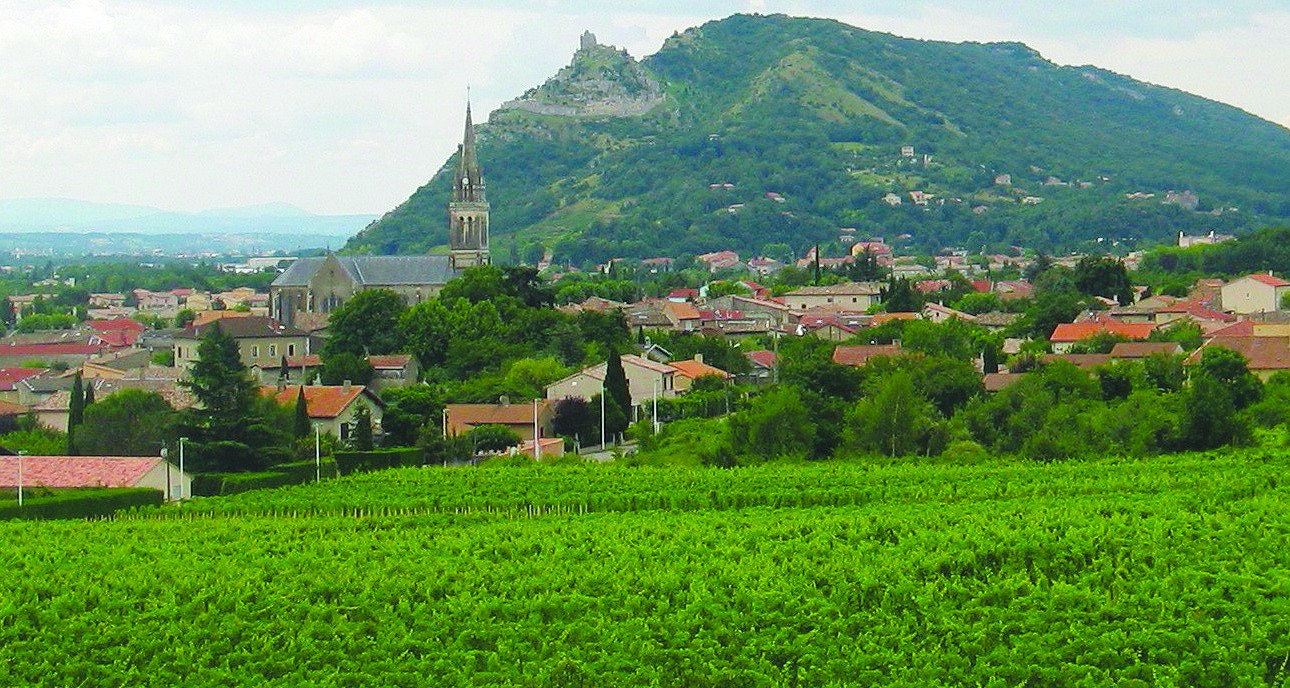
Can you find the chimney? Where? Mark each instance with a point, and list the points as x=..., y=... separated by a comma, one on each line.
x=347, y=385
x=698, y=358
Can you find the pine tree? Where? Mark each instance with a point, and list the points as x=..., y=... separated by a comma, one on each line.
x=302, y=426
x=224, y=390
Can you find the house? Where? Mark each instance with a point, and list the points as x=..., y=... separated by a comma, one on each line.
x=1010, y=290
x=682, y=295
x=764, y=266
x=1065, y=335
x=1257, y=293
x=548, y=448
x=1207, y=318
x=11, y=377
x=719, y=260
x=261, y=341
x=997, y=321
x=645, y=316
x=880, y=319
x=995, y=382
x=920, y=197
x=70, y=353
x=858, y=356
x=519, y=417
x=120, y=332
x=762, y=372
x=682, y=317
x=394, y=370
x=689, y=370
x=79, y=472
x=855, y=296
x=1135, y=351
x=937, y=313
x=657, y=265
x=332, y=408
x=644, y=379
x=1265, y=356
x=833, y=327
x=1003, y=180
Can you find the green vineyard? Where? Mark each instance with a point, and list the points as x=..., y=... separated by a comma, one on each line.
x=1173, y=571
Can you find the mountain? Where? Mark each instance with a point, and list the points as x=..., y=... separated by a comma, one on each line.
x=766, y=134
x=40, y=215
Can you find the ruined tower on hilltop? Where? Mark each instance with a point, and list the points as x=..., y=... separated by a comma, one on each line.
x=468, y=209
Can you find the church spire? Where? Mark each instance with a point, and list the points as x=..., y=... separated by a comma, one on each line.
x=469, y=184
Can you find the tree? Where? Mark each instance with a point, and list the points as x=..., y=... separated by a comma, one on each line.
x=301, y=426
x=493, y=438
x=990, y=358
x=1210, y=417
x=1106, y=277
x=1117, y=379
x=366, y=324
x=75, y=412
x=185, y=317
x=776, y=424
x=224, y=391
x=1165, y=372
x=339, y=367
x=573, y=417
x=408, y=410
x=131, y=422
x=426, y=330
x=895, y=421
x=899, y=296
x=362, y=431
x=615, y=384
x=1230, y=369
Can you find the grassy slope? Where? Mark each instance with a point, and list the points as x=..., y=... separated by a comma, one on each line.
x=1168, y=571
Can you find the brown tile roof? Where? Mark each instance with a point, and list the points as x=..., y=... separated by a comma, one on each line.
x=1074, y=332
x=252, y=326
x=1262, y=353
x=682, y=311
x=880, y=318
x=632, y=359
x=997, y=319
x=1145, y=349
x=844, y=289
x=860, y=355
x=8, y=408
x=997, y=381
x=520, y=413
x=694, y=370
x=76, y=471
x=389, y=362
x=322, y=401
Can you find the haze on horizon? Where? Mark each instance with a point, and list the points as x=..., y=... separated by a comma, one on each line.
x=340, y=106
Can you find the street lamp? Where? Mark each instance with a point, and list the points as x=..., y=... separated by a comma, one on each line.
x=182, y=496
x=21, y=454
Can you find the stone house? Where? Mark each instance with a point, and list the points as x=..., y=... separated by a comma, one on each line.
x=643, y=378
x=332, y=408
x=261, y=341
x=855, y=296
x=1257, y=293
x=519, y=417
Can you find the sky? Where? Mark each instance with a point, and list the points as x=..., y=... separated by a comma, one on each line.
x=340, y=107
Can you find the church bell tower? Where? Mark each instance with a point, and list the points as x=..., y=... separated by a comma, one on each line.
x=468, y=209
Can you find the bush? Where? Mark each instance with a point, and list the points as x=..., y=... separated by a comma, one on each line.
x=965, y=452
x=348, y=463
x=88, y=503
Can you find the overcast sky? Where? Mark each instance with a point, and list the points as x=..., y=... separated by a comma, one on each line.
x=346, y=107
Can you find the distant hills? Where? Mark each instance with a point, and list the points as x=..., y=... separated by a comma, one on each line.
x=760, y=133
x=43, y=215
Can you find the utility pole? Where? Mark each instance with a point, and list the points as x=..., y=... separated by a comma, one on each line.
x=21, y=454
x=317, y=455
x=182, y=490
x=602, y=417
x=537, y=436
x=656, y=407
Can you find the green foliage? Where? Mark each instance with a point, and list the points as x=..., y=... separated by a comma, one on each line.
x=1104, y=276
x=341, y=366
x=894, y=421
x=615, y=385
x=300, y=424
x=350, y=462
x=362, y=429
x=776, y=424
x=35, y=440
x=80, y=504
x=491, y=438
x=164, y=358
x=131, y=422
x=1210, y=417
x=574, y=417
x=75, y=412
x=1228, y=368
x=366, y=324
x=408, y=410
x=53, y=321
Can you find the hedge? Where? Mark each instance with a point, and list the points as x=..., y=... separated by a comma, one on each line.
x=86, y=503
x=224, y=484
x=378, y=459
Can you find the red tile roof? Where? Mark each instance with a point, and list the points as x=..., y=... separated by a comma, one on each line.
x=1074, y=332
x=10, y=377
x=1199, y=311
x=694, y=370
x=389, y=362
x=860, y=355
x=462, y=417
x=116, y=324
x=1241, y=328
x=75, y=471
x=1262, y=353
x=1268, y=279
x=55, y=349
x=763, y=358
x=323, y=401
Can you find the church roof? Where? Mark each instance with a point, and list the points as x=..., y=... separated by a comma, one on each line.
x=374, y=271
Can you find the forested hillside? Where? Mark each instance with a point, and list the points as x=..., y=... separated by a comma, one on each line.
x=772, y=129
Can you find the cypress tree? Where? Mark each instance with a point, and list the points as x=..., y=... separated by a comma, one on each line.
x=89, y=399
x=363, y=429
x=302, y=426
x=75, y=412
x=616, y=383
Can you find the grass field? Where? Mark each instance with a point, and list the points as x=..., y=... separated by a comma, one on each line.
x=1169, y=571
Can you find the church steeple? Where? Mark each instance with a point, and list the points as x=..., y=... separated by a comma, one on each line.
x=468, y=209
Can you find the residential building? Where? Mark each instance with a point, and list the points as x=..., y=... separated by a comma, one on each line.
x=78, y=472
x=689, y=370
x=719, y=260
x=1065, y=335
x=858, y=356
x=855, y=296
x=1265, y=356
x=644, y=379
x=762, y=372
x=261, y=341
x=333, y=409
x=1257, y=293
x=519, y=417
x=937, y=313
x=1134, y=351
x=10, y=379
x=394, y=370
x=51, y=354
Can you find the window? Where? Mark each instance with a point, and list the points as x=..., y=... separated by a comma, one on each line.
x=255, y=352
x=273, y=350
x=291, y=349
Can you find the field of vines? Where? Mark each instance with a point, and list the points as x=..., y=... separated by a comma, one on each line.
x=1173, y=571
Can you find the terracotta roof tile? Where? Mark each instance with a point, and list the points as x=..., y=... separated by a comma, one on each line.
x=694, y=369
x=521, y=413
x=1145, y=349
x=860, y=355
x=323, y=401
x=1262, y=353
x=1074, y=332
x=75, y=471
x=389, y=362
x=762, y=357
x=1270, y=280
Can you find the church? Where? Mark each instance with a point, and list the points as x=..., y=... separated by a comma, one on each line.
x=320, y=285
